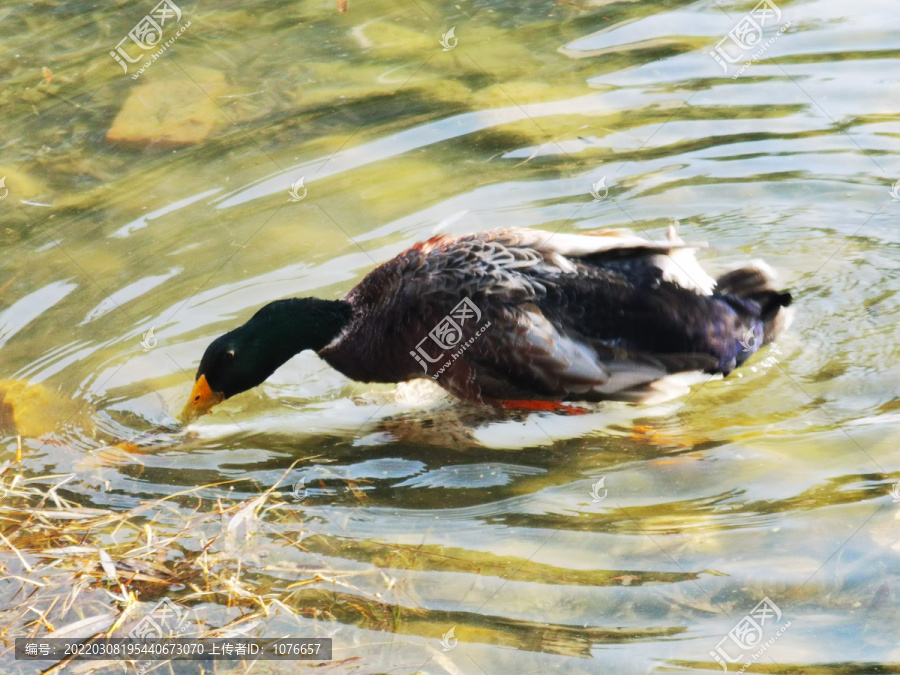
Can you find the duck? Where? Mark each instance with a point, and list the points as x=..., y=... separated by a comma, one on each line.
x=518, y=318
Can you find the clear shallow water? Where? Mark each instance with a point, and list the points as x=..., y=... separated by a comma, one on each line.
x=773, y=483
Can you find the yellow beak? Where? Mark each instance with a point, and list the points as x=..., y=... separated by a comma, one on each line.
x=202, y=399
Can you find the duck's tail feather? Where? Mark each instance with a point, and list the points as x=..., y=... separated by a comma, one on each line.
x=743, y=282
x=756, y=281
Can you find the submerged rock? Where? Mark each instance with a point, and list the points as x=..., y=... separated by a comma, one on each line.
x=171, y=112
x=31, y=410
x=18, y=184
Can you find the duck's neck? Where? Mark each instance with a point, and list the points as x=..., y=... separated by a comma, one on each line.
x=284, y=328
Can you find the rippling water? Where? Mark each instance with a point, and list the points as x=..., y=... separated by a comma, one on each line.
x=630, y=540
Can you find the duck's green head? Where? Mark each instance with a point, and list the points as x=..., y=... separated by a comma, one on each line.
x=243, y=358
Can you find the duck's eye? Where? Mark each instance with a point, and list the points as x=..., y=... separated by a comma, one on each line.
x=196, y=398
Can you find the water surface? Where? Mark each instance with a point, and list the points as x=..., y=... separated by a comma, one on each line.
x=631, y=540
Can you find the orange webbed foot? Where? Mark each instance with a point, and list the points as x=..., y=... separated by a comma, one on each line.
x=543, y=406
